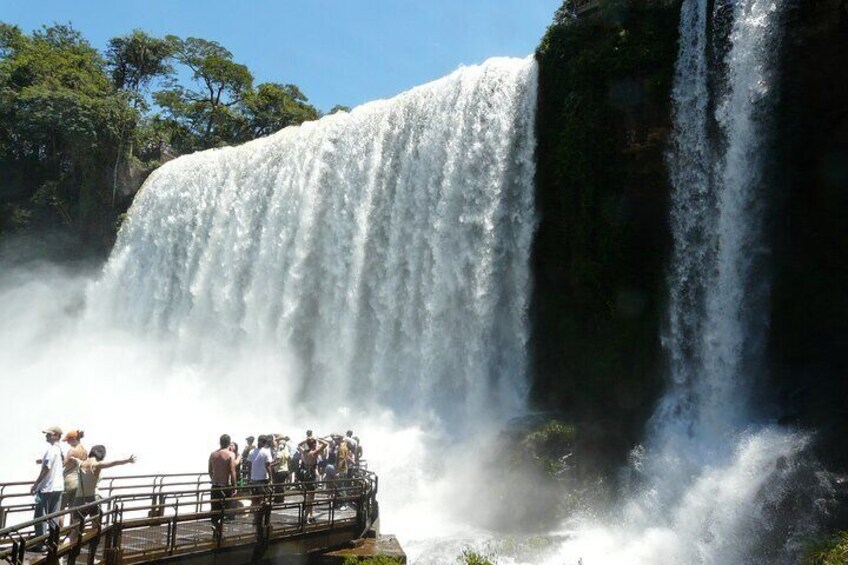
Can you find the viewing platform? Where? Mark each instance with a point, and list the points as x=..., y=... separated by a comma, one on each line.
x=169, y=518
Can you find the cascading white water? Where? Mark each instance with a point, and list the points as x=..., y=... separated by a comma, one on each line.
x=717, y=281
x=385, y=250
x=711, y=476
x=369, y=270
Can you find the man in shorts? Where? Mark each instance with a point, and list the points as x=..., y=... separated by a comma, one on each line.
x=222, y=472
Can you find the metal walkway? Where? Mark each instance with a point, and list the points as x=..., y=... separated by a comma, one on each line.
x=150, y=518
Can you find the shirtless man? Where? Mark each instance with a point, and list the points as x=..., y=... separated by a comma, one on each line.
x=222, y=471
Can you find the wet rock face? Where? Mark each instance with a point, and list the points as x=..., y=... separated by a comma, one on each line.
x=603, y=239
x=603, y=242
x=809, y=318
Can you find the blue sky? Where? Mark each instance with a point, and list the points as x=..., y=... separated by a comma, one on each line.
x=337, y=51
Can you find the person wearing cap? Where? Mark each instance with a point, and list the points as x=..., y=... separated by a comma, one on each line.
x=70, y=470
x=281, y=463
x=49, y=485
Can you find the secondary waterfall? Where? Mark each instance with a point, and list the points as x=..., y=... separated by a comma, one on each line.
x=385, y=251
x=713, y=479
x=719, y=280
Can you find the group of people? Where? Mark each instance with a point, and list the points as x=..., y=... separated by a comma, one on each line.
x=68, y=479
x=273, y=462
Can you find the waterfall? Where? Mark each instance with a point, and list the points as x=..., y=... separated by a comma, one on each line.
x=385, y=250
x=714, y=480
x=718, y=281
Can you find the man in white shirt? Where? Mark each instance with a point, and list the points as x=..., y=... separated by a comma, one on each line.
x=50, y=483
x=261, y=471
x=260, y=462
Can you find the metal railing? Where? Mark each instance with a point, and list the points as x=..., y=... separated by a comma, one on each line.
x=149, y=517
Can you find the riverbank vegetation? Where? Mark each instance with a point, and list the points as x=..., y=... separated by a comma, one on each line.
x=80, y=129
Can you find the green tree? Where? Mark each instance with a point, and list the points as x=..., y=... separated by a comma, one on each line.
x=135, y=60
x=338, y=108
x=209, y=111
x=271, y=107
x=60, y=119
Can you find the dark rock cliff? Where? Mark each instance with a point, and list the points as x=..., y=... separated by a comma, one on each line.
x=602, y=190
x=809, y=318
x=602, y=247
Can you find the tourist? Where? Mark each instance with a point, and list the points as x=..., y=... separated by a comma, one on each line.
x=49, y=485
x=260, y=472
x=344, y=458
x=245, y=458
x=89, y=477
x=260, y=462
x=70, y=473
x=332, y=484
x=332, y=451
x=357, y=453
x=294, y=464
x=247, y=448
x=222, y=472
x=282, y=461
x=236, y=457
x=310, y=449
x=352, y=444
x=240, y=479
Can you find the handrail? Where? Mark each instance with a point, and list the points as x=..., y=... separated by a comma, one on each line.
x=122, y=512
x=108, y=486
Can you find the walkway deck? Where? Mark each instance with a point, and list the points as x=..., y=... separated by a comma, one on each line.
x=164, y=521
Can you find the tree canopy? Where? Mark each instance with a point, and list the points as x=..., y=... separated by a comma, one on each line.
x=79, y=129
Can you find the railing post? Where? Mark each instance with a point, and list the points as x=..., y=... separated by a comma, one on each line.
x=97, y=521
x=199, y=496
x=19, y=551
x=116, y=552
x=74, y=553
x=52, y=543
x=172, y=543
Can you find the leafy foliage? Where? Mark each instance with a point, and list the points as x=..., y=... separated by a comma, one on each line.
x=60, y=120
x=137, y=59
x=833, y=551
x=272, y=107
x=470, y=557
x=206, y=111
x=550, y=447
x=78, y=134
